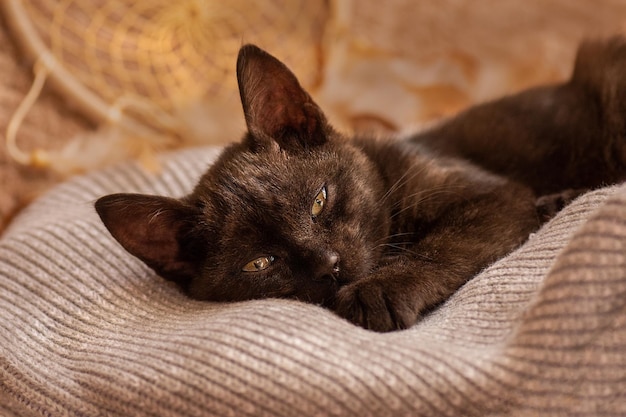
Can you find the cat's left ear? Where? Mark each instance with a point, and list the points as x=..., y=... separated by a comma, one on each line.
x=276, y=107
x=157, y=230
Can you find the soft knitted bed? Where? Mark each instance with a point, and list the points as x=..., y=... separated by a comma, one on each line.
x=88, y=330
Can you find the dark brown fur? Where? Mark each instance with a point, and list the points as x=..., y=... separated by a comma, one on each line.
x=405, y=222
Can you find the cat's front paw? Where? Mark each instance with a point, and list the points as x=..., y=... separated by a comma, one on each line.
x=376, y=305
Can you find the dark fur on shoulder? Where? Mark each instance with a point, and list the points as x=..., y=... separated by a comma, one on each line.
x=378, y=230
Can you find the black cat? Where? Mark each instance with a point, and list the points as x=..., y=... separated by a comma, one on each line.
x=378, y=230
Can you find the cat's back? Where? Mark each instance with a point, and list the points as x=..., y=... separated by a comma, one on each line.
x=419, y=164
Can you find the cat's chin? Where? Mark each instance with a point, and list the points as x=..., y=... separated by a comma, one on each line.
x=324, y=296
x=328, y=298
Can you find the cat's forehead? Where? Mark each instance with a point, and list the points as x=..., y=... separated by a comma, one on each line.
x=279, y=169
x=248, y=180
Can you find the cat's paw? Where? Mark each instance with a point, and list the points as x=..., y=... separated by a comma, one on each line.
x=376, y=306
x=549, y=205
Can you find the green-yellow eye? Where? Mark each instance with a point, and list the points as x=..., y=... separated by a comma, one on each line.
x=319, y=203
x=258, y=264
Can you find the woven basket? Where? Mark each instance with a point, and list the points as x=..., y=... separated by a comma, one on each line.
x=138, y=65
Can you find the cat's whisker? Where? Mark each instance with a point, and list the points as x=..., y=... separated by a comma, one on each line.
x=404, y=179
x=423, y=199
x=409, y=251
x=395, y=245
x=388, y=238
x=409, y=175
x=396, y=185
x=451, y=189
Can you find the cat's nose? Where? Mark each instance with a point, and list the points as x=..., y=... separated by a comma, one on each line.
x=327, y=265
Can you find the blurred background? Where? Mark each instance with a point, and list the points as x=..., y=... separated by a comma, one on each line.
x=87, y=83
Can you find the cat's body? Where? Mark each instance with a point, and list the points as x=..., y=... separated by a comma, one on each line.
x=379, y=230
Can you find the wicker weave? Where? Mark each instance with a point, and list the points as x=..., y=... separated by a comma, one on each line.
x=171, y=53
x=141, y=64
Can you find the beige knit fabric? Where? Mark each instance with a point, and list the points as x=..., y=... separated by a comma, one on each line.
x=87, y=330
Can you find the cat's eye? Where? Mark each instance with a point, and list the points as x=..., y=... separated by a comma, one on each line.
x=259, y=264
x=319, y=202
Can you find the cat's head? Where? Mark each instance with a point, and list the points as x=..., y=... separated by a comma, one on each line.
x=293, y=210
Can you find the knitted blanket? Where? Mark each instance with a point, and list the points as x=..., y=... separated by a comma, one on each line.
x=88, y=330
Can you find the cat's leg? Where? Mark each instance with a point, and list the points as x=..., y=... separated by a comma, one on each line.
x=422, y=275
x=565, y=136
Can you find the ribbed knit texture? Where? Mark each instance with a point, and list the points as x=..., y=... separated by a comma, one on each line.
x=87, y=330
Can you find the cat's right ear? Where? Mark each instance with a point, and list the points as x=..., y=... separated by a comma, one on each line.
x=275, y=106
x=157, y=230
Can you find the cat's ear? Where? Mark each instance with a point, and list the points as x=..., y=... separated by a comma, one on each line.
x=275, y=106
x=157, y=230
